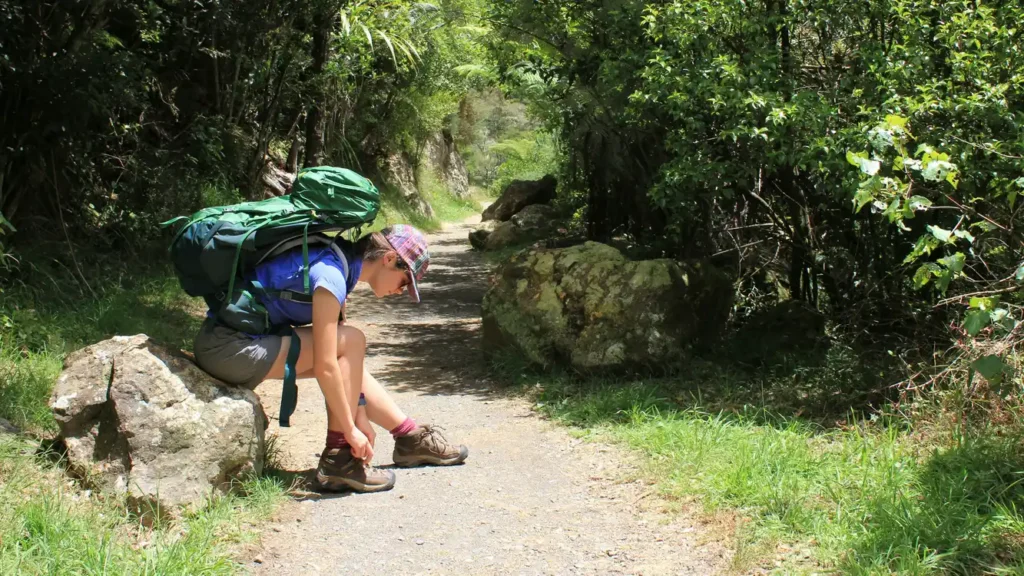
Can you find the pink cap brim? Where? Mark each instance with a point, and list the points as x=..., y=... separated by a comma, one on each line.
x=414, y=290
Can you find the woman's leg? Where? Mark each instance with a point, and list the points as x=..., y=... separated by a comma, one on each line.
x=381, y=409
x=414, y=445
x=351, y=351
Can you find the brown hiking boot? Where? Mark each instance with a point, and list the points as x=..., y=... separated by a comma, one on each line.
x=338, y=470
x=426, y=445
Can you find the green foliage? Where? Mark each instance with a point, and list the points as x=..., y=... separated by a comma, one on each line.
x=529, y=158
x=726, y=129
x=52, y=311
x=899, y=185
x=501, y=141
x=119, y=115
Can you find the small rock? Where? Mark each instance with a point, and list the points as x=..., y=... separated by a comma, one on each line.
x=276, y=528
x=420, y=542
x=258, y=560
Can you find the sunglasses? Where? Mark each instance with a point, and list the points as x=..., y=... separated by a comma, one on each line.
x=401, y=265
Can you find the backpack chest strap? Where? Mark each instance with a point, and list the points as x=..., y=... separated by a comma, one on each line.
x=288, y=295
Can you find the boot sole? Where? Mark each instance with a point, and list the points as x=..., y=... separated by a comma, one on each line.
x=431, y=460
x=336, y=484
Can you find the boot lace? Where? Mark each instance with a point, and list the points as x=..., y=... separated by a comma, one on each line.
x=433, y=437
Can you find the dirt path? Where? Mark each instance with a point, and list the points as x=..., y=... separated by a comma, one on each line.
x=529, y=500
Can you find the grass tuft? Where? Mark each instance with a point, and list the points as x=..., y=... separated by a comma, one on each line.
x=875, y=495
x=47, y=526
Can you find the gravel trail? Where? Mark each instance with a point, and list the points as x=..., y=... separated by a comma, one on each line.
x=530, y=499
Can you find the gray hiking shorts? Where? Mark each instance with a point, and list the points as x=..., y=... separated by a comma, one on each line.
x=233, y=356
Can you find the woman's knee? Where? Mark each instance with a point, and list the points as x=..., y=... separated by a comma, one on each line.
x=350, y=340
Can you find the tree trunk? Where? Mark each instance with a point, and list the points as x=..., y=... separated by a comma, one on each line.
x=292, y=164
x=315, y=114
x=216, y=72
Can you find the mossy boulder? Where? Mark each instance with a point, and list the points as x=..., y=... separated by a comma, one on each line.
x=589, y=307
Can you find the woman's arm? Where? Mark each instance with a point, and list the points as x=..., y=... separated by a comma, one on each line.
x=341, y=378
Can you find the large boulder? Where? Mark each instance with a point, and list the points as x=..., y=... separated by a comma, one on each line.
x=141, y=421
x=520, y=194
x=398, y=173
x=532, y=223
x=535, y=216
x=589, y=307
x=444, y=159
x=479, y=234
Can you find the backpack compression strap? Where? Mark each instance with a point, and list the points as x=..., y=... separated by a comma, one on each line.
x=290, y=392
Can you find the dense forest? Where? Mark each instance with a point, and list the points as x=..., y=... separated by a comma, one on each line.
x=863, y=160
x=863, y=157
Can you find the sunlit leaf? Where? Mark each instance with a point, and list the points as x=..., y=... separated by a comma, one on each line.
x=924, y=275
x=390, y=47
x=942, y=280
x=964, y=235
x=369, y=37
x=991, y=367
x=954, y=263
x=984, y=303
x=345, y=24
x=919, y=203
x=940, y=234
x=976, y=321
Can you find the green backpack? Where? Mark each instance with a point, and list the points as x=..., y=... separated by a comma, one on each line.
x=218, y=246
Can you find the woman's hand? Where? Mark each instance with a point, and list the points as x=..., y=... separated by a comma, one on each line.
x=364, y=426
x=361, y=446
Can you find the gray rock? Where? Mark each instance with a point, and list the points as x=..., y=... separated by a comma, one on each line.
x=505, y=234
x=589, y=307
x=532, y=223
x=520, y=194
x=444, y=160
x=142, y=421
x=8, y=428
x=535, y=216
x=478, y=236
x=398, y=173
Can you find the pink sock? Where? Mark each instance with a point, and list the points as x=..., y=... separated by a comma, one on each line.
x=336, y=440
x=404, y=428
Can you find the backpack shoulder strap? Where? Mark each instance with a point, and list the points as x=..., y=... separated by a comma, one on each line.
x=292, y=295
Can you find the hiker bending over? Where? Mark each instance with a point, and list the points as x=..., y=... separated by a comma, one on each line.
x=391, y=262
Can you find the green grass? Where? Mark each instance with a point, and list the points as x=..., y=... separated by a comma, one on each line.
x=868, y=496
x=394, y=210
x=47, y=526
x=447, y=208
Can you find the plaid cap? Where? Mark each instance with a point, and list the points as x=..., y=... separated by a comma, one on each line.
x=411, y=246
